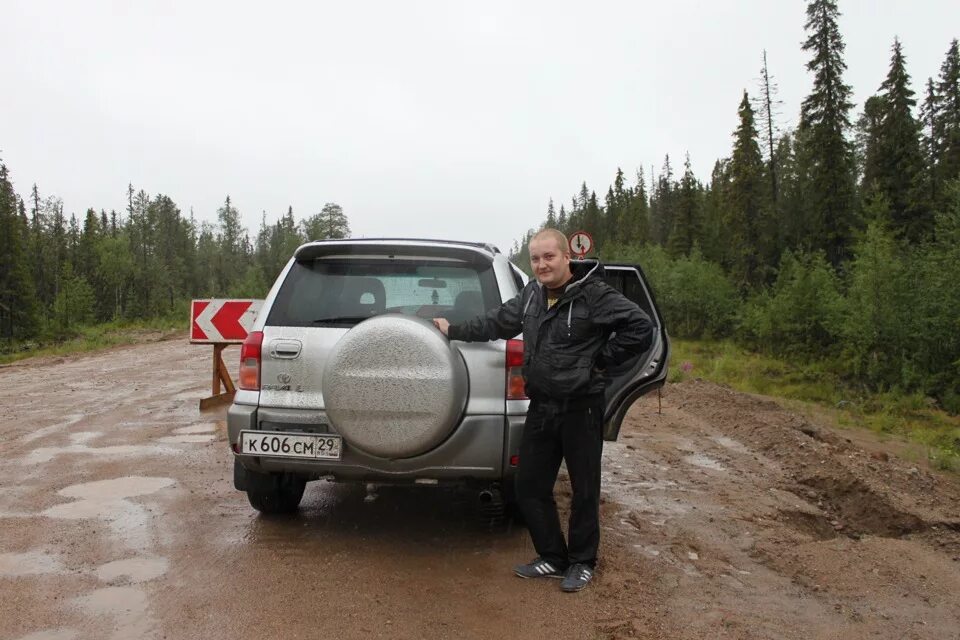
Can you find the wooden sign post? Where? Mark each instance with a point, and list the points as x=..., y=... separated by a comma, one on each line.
x=221, y=323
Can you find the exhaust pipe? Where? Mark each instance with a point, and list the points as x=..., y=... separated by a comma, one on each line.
x=490, y=506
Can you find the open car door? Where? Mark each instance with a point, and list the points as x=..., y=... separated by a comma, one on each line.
x=632, y=379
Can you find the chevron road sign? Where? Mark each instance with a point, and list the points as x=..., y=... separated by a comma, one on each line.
x=221, y=321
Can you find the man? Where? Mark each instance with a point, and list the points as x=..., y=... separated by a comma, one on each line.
x=574, y=326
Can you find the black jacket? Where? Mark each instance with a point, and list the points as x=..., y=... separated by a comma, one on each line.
x=591, y=326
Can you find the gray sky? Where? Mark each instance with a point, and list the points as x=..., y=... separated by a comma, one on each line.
x=430, y=119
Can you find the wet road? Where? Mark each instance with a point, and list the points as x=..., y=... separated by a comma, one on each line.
x=118, y=519
x=723, y=516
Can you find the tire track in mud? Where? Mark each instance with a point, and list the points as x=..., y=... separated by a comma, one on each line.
x=768, y=526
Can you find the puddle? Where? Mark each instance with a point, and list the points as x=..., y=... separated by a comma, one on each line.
x=113, y=600
x=187, y=439
x=31, y=563
x=650, y=551
x=645, y=503
x=126, y=605
x=209, y=427
x=52, y=634
x=84, y=436
x=46, y=431
x=191, y=394
x=134, y=569
x=115, y=489
x=730, y=443
x=106, y=500
x=46, y=454
x=704, y=462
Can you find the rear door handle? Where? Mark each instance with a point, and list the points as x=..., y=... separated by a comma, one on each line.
x=285, y=349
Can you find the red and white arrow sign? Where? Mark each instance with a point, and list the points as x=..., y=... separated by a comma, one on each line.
x=219, y=320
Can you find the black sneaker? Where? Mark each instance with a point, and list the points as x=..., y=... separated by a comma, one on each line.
x=577, y=577
x=538, y=568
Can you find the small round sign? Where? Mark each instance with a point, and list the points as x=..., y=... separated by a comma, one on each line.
x=580, y=243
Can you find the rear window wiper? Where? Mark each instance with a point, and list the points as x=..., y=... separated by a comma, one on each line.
x=340, y=320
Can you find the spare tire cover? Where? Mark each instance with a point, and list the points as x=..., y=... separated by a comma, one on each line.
x=394, y=386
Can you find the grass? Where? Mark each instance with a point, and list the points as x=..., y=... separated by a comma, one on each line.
x=94, y=338
x=814, y=388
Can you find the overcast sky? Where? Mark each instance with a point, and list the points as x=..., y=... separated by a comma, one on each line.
x=428, y=119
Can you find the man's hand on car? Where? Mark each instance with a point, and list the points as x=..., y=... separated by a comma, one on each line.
x=442, y=324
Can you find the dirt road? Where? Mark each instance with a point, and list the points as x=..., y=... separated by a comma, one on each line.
x=724, y=516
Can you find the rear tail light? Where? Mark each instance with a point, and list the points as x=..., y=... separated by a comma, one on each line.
x=515, y=390
x=250, y=361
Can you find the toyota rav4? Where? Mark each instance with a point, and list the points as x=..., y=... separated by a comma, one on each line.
x=344, y=376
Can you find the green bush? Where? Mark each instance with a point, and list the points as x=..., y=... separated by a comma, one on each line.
x=695, y=297
x=801, y=315
x=876, y=320
x=932, y=311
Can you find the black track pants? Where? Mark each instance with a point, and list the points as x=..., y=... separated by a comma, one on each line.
x=552, y=434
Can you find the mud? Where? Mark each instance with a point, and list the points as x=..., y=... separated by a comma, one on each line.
x=723, y=516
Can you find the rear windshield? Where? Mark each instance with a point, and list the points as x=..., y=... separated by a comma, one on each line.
x=330, y=292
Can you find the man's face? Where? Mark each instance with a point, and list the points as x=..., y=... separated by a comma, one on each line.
x=550, y=263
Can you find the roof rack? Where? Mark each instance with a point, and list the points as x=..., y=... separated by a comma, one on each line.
x=483, y=245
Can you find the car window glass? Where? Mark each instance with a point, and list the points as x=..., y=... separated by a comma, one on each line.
x=347, y=291
x=627, y=281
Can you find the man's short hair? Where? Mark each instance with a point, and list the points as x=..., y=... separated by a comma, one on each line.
x=556, y=234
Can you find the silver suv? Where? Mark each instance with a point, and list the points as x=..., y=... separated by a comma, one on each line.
x=344, y=376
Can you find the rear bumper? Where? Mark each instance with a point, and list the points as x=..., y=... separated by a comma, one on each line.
x=478, y=449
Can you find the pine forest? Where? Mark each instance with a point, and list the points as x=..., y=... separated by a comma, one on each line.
x=837, y=240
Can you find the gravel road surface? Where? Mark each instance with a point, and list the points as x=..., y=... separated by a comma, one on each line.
x=724, y=516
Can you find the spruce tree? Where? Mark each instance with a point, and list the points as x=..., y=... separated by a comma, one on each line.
x=752, y=245
x=716, y=233
x=897, y=165
x=869, y=160
x=551, y=216
x=826, y=162
x=766, y=119
x=662, y=204
x=38, y=255
x=232, y=249
x=687, y=223
x=930, y=137
x=17, y=302
x=948, y=120
x=637, y=223
x=591, y=218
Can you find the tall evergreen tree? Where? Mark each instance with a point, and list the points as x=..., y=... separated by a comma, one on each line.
x=896, y=168
x=687, y=228
x=716, y=233
x=232, y=253
x=39, y=257
x=766, y=118
x=752, y=244
x=826, y=162
x=930, y=137
x=948, y=120
x=869, y=160
x=17, y=303
x=551, y=215
x=662, y=204
x=636, y=224
x=591, y=217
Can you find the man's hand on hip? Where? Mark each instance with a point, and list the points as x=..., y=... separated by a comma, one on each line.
x=443, y=325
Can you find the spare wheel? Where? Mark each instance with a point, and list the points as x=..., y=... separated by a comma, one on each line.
x=394, y=387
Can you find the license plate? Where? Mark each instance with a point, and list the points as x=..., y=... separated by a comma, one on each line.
x=278, y=444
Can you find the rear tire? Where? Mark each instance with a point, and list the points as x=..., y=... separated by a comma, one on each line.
x=274, y=494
